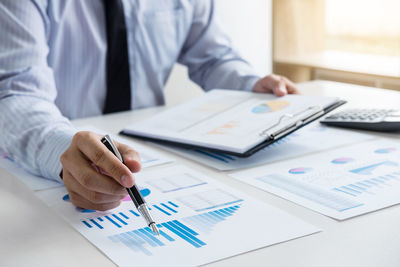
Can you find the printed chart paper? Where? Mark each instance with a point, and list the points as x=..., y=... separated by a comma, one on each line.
x=341, y=183
x=200, y=221
x=310, y=139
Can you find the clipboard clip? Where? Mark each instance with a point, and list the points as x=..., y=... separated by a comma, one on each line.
x=315, y=112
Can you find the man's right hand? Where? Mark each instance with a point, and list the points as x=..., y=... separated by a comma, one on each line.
x=92, y=189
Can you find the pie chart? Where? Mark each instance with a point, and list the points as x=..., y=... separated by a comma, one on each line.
x=386, y=150
x=342, y=160
x=299, y=170
x=270, y=106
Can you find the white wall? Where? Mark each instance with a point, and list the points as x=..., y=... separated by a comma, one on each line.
x=249, y=24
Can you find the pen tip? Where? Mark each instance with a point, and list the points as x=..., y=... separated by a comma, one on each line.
x=154, y=228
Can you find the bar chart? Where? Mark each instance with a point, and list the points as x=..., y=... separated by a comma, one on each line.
x=312, y=193
x=122, y=219
x=368, y=186
x=144, y=240
x=187, y=237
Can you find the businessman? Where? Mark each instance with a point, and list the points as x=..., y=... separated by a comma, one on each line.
x=62, y=60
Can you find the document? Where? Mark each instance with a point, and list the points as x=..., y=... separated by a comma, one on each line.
x=310, y=139
x=235, y=122
x=200, y=221
x=340, y=183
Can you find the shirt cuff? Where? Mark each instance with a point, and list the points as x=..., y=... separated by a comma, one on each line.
x=56, y=143
x=249, y=82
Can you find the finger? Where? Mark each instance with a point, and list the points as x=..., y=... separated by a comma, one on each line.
x=290, y=86
x=96, y=152
x=89, y=177
x=91, y=196
x=279, y=87
x=81, y=202
x=131, y=157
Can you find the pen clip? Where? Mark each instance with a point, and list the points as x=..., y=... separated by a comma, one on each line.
x=317, y=111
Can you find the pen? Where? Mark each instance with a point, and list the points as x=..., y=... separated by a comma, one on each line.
x=133, y=192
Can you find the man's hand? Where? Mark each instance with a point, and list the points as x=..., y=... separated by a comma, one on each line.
x=275, y=84
x=92, y=189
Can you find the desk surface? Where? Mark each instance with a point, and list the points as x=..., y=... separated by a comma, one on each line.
x=31, y=234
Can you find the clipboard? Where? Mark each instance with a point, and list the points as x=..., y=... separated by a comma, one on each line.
x=275, y=132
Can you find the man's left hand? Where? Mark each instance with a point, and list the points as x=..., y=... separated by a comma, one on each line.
x=276, y=84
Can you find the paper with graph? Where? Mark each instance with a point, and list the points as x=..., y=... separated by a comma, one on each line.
x=227, y=120
x=310, y=139
x=200, y=221
x=340, y=183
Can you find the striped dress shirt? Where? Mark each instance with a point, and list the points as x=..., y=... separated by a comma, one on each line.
x=53, y=65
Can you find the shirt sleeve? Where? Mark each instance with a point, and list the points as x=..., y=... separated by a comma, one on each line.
x=33, y=131
x=209, y=56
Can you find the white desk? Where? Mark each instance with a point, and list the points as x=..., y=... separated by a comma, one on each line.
x=31, y=234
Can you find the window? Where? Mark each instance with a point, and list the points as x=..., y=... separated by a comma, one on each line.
x=363, y=26
x=324, y=39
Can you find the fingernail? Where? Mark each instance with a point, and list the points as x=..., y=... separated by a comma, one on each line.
x=126, y=181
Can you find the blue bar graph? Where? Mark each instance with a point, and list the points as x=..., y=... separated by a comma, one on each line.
x=144, y=240
x=169, y=208
x=95, y=223
x=122, y=219
x=368, y=185
x=112, y=221
x=87, y=224
x=123, y=215
x=162, y=210
x=173, y=204
x=119, y=219
x=134, y=213
x=321, y=196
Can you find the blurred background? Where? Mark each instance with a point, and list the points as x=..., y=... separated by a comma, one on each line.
x=352, y=41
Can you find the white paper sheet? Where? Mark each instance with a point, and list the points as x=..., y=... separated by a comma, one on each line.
x=310, y=139
x=201, y=221
x=340, y=183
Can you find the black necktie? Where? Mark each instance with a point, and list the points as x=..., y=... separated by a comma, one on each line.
x=118, y=96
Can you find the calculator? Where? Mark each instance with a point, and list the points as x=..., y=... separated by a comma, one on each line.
x=383, y=120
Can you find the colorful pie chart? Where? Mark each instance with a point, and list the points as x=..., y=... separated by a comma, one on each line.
x=386, y=150
x=300, y=170
x=270, y=106
x=342, y=160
